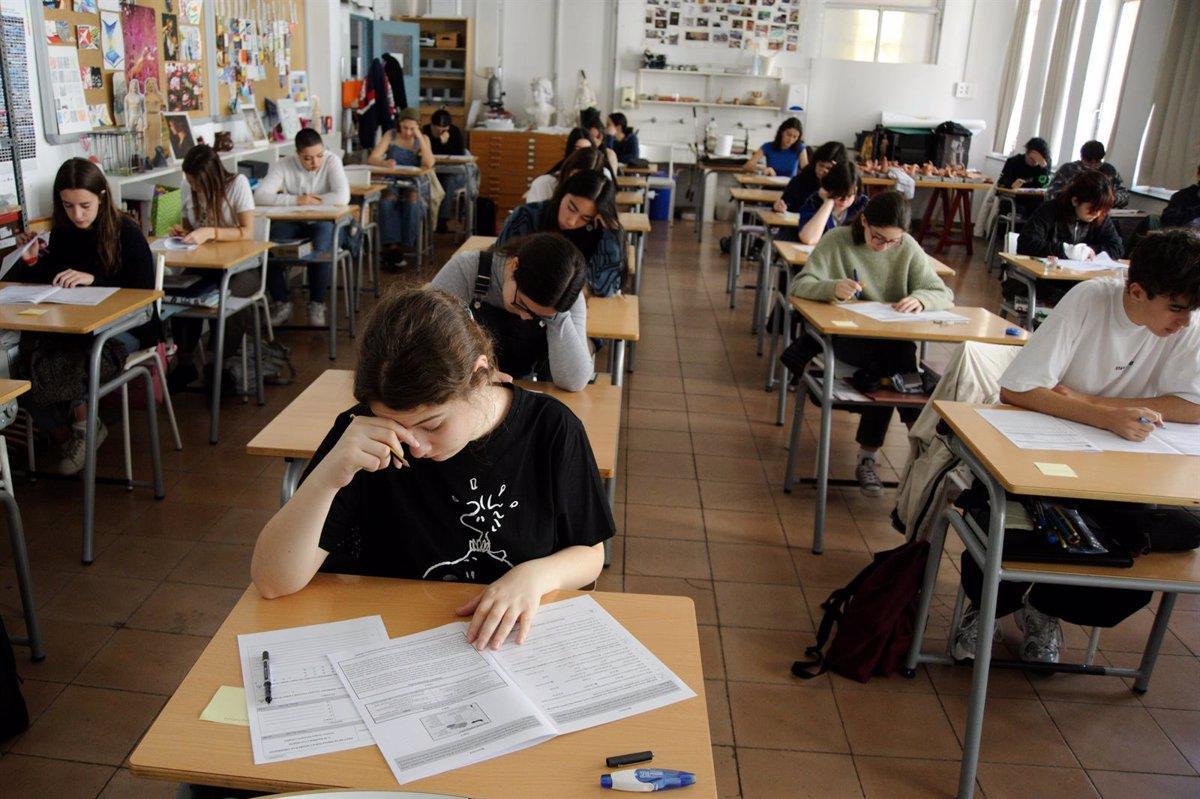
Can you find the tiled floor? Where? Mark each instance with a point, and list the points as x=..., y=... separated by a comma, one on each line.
x=702, y=514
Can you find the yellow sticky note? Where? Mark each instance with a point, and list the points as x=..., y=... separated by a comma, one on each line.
x=32, y=312
x=228, y=706
x=1055, y=469
x=843, y=323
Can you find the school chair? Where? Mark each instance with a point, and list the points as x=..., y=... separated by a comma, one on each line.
x=153, y=358
x=16, y=536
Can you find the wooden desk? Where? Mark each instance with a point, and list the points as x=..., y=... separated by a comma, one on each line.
x=371, y=189
x=475, y=244
x=123, y=311
x=636, y=226
x=179, y=747
x=400, y=171
x=763, y=196
x=796, y=254
x=454, y=159
x=300, y=428
x=11, y=389
x=741, y=196
x=774, y=181
x=1028, y=271
x=631, y=182
x=649, y=169
x=229, y=258
x=1001, y=467
x=630, y=199
x=634, y=223
x=772, y=218
x=819, y=321
x=367, y=196
x=297, y=213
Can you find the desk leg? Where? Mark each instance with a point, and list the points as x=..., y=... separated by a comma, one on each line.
x=639, y=248
x=1150, y=654
x=259, y=390
x=16, y=534
x=784, y=375
x=762, y=281
x=735, y=253
x=927, y=217
x=219, y=351
x=618, y=362
x=293, y=469
x=702, y=175
x=763, y=291
x=830, y=370
x=968, y=230
x=937, y=543
x=1031, y=312
x=794, y=435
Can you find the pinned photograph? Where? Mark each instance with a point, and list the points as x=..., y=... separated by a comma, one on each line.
x=179, y=133
x=184, y=86
x=139, y=30
x=170, y=37
x=254, y=124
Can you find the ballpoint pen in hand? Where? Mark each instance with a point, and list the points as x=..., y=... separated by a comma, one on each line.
x=857, y=294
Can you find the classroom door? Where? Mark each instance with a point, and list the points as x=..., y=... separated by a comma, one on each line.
x=401, y=40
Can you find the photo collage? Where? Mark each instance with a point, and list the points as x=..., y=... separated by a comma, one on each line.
x=766, y=25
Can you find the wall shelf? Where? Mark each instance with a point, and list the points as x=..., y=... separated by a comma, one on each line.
x=707, y=74
x=454, y=77
x=772, y=108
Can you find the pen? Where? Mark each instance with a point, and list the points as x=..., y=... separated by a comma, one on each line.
x=1144, y=420
x=398, y=459
x=266, y=661
x=857, y=294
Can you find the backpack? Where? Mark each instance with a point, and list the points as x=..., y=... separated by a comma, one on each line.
x=485, y=216
x=875, y=615
x=14, y=716
x=277, y=370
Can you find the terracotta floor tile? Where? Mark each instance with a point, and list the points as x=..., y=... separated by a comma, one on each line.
x=719, y=726
x=733, y=470
x=662, y=491
x=956, y=681
x=1186, y=627
x=751, y=563
x=643, y=419
x=717, y=424
x=174, y=518
x=832, y=568
x=775, y=607
x=767, y=773
x=124, y=785
x=643, y=463
x=1005, y=781
x=658, y=441
x=141, y=556
x=1117, y=785
x=897, y=778
x=762, y=655
x=215, y=564
x=1183, y=728
x=1141, y=746
x=725, y=763
x=140, y=660
x=734, y=496
x=711, y=404
x=60, y=779
x=655, y=375
x=188, y=609
x=1131, y=634
x=725, y=446
x=711, y=658
x=743, y=527
x=657, y=400
x=98, y=599
x=799, y=716
x=877, y=726
x=240, y=526
x=46, y=585
x=700, y=592
x=1014, y=731
x=666, y=558
x=91, y=725
x=655, y=521
x=714, y=388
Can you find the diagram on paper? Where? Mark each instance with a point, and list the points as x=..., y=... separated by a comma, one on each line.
x=455, y=720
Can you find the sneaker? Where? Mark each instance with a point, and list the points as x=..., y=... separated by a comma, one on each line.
x=316, y=314
x=74, y=449
x=868, y=480
x=1043, y=635
x=964, y=644
x=281, y=313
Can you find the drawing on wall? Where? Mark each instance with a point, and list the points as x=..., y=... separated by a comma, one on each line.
x=189, y=43
x=762, y=25
x=191, y=11
x=70, y=106
x=16, y=46
x=184, y=86
x=92, y=77
x=254, y=124
x=58, y=32
x=85, y=7
x=140, y=35
x=87, y=37
x=112, y=44
x=170, y=37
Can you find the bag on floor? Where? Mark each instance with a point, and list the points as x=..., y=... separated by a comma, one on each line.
x=14, y=716
x=485, y=216
x=875, y=615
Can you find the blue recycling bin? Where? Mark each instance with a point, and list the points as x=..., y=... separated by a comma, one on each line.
x=660, y=205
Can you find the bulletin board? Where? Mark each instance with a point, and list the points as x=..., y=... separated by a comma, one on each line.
x=144, y=53
x=767, y=26
x=280, y=64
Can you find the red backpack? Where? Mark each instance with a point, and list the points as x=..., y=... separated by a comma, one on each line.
x=875, y=614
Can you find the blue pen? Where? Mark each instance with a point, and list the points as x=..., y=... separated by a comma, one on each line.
x=1144, y=420
x=645, y=780
x=857, y=294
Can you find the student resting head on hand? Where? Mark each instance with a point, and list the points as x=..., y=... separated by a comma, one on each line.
x=439, y=473
x=808, y=179
x=838, y=202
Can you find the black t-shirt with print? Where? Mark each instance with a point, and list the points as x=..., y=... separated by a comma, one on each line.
x=524, y=491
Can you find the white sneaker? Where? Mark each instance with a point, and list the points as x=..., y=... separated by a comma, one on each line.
x=74, y=449
x=967, y=636
x=1043, y=635
x=316, y=314
x=281, y=313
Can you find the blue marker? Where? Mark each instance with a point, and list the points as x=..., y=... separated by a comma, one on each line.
x=1013, y=331
x=644, y=780
x=857, y=294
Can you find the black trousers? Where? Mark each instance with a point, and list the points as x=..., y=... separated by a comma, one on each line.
x=878, y=356
x=1082, y=605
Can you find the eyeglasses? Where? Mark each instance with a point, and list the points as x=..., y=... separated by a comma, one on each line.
x=883, y=241
x=520, y=305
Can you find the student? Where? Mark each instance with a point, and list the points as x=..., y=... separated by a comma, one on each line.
x=586, y=159
x=313, y=176
x=594, y=134
x=1123, y=356
x=401, y=210
x=836, y=203
x=873, y=259
x=527, y=293
x=784, y=155
x=1183, y=210
x=808, y=179
x=621, y=138
x=445, y=138
x=584, y=209
x=1091, y=156
x=1079, y=215
x=1028, y=170
x=396, y=488
x=91, y=244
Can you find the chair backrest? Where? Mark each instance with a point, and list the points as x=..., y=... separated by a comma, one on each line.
x=1010, y=242
x=160, y=268
x=262, y=232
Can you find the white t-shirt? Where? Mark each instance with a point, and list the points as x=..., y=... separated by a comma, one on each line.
x=542, y=188
x=1088, y=344
x=241, y=199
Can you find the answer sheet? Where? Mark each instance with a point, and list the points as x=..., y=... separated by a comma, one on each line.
x=171, y=244
x=309, y=712
x=883, y=312
x=1101, y=263
x=433, y=703
x=1033, y=430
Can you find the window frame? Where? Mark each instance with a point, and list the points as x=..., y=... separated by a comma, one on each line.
x=1097, y=113
x=936, y=9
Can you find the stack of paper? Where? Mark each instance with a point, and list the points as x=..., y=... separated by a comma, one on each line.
x=1033, y=430
x=1101, y=263
x=82, y=295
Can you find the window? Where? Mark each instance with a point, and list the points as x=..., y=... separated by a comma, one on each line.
x=1009, y=145
x=1114, y=78
x=883, y=31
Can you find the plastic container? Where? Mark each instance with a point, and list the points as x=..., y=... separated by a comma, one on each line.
x=660, y=205
x=724, y=147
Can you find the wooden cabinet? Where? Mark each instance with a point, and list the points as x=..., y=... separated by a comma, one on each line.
x=510, y=160
x=447, y=66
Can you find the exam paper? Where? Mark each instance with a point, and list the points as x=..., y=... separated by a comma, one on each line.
x=172, y=243
x=12, y=257
x=1101, y=263
x=883, y=312
x=82, y=295
x=13, y=295
x=309, y=713
x=1033, y=430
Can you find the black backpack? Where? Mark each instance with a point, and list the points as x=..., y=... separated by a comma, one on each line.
x=14, y=716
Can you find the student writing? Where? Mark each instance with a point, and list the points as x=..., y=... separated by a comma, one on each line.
x=1120, y=355
x=401, y=209
x=784, y=154
x=1027, y=170
x=584, y=210
x=440, y=474
x=873, y=259
x=531, y=302
x=1079, y=215
x=808, y=179
x=313, y=176
x=837, y=202
x=91, y=244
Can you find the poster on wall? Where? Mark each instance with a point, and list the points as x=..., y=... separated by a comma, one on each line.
x=70, y=106
x=761, y=25
x=16, y=46
x=184, y=86
x=140, y=35
x=112, y=44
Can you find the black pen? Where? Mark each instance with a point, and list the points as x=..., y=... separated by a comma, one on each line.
x=858, y=293
x=266, y=661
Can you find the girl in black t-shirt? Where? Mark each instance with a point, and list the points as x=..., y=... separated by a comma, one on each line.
x=441, y=474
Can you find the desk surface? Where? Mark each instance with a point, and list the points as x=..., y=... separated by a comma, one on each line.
x=442, y=160
x=631, y=182
x=11, y=389
x=399, y=171
x=296, y=213
x=634, y=223
x=774, y=181
x=957, y=185
x=984, y=326
x=630, y=198
x=776, y=219
x=300, y=427
x=181, y=748
x=1036, y=268
x=359, y=192
x=613, y=317
x=75, y=318
x=752, y=195
x=649, y=169
x=796, y=255
x=217, y=254
x=1117, y=476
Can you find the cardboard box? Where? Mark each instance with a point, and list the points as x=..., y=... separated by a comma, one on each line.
x=448, y=40
x=292, y=249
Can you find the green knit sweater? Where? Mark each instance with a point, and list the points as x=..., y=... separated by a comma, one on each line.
x=889, y=276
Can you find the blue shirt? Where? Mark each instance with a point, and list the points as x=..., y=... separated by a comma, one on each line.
x=784, y=162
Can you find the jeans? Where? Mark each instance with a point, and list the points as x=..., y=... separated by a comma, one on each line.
x=451, y=183
x=320, y=271
x=400, y=218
